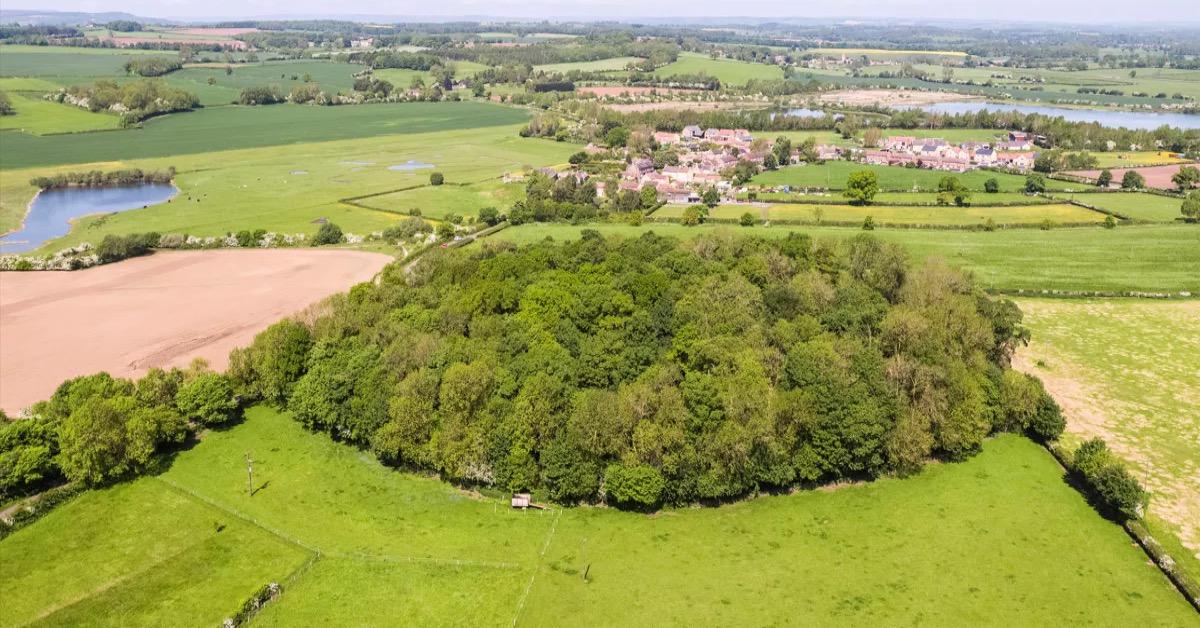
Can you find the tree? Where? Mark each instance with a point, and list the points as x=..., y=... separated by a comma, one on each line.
x=616, y=137
x=991, y=186
x=445, y=231
x=1104, y=179
x=693, y=215
x=782, y=149
x=92, y=440
x=436, y=178
x=747, y=220
x=1191, y=207
x=872, y=137
x=207, y=399
x=649, y=196
x=489, y=216
x=861, y=187
x=1186, y=178
x=1133, y=180
x=868, y=223
x=1035, y=184
x=270, y=367
x=329, y=233
x=6, y=108
x=769, y=162
x=711, y=198
x=951, y=190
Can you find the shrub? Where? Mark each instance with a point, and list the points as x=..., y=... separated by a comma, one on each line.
x=207, y=399
x=747, y=220
x=436, y=178
x=639, y=486
x=329, y=233
x=1118, y=493
x=991, y=186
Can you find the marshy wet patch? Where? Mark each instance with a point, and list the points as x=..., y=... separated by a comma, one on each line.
x=411, y=164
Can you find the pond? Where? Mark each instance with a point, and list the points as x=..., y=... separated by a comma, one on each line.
x=411, y=164
x=51, y=212
x=1106, y=117
x=805, y=113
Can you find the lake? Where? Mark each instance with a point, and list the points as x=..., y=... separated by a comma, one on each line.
x=1110, y=118
x=51, y=212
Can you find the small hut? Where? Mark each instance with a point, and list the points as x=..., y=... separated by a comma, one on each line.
x=522, y=500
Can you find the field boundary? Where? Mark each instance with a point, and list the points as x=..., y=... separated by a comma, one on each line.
x=536, y=567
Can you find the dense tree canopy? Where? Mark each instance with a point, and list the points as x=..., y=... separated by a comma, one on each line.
x=648, y=371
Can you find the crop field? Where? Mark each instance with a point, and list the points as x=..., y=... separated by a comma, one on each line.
x=417, y=548
x=833, y=175
x=66, y=65
x=902, y=214
x=1136, y=205
x=440, y=201
x=1145, y=258
x=227, y=128
x=285, y=188
x=1135, y=158
x=1125, y=370
x=1151, y=81
x=907, y=198
x=601, y=65
x=727, y=71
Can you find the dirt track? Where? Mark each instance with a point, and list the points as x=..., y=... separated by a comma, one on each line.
x=160, y=310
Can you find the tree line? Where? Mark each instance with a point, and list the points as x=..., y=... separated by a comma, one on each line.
x=100, y=178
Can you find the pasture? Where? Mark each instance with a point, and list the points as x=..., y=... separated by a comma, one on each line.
x=228, y=128
x=884, y=215
x=1146, y=258
x=415, y=547
x=42, y=117
x=728, y=71
x=331, y=77
x=1125, y=370
x=66, y=65
x=439, y=202
x=285, y=188
x=1136, y=205
x=833, y=175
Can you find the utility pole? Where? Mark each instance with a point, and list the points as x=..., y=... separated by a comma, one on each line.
x=249, y=475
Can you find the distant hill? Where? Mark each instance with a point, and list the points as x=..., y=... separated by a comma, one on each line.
x=71, y=18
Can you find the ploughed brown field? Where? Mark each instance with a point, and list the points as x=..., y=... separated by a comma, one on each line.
x=1156, y=176
x=161, y=310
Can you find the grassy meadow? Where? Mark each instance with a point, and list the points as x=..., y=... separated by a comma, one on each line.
x=833, y=175
x=1144, y=258
x=728, y=71
x=392, y=544
x=1126, y=370
x=883, y=215
x=42, y=117
x=440, y=201
x=601, y=65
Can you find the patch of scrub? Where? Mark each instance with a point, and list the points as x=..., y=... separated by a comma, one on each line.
x=411, y=164
x=51, y=212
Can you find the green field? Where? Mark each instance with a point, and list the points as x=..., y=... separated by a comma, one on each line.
x=903, y=198
x=440, y=201
x=728, y=71
x=902, y=215
x=833, y=175
x=1150, y=258
x=67, y=65
x=285, y=188
x=1126, y=370
x=1136, y=205
x=601, y=65
x=226, y=128
x=41, y=117
x=330, y=76
x=392, y=544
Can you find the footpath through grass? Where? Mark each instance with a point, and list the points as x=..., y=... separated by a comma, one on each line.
x=997, y=539
x=1129, y=371
x=1139, y=258
x=227, y=128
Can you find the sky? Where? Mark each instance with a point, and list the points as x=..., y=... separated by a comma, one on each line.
x=1085, y=11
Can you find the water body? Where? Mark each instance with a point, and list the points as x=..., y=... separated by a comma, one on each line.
x=1110, y=118
x=805, y=113
x=51, y=211
x=411, y=164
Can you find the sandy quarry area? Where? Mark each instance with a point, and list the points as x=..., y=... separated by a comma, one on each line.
x=891, y=97
x=160, y=310
x=1156, y=176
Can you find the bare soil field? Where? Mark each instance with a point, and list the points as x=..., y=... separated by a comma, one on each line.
x=161, y=310
x=890, y=97
x=1156, y=176
x=617, y=90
